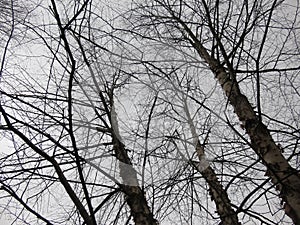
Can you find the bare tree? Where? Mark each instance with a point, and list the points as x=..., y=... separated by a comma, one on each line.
x=50, y=115
x=115, y=118
x=230, y=45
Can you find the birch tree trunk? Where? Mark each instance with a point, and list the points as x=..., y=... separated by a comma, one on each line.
x=134, y=195
x=220, y=197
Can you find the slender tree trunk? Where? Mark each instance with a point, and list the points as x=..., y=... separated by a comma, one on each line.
x=227, y=215
x=135, y=197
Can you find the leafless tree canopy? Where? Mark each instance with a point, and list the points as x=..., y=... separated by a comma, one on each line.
x=150, y=112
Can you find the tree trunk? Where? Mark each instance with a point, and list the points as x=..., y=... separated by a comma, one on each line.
x=283, y=176
x=220, y=197
x=135, y=197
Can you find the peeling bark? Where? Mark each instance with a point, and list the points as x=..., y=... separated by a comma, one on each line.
x=283, y=176
x=218, y=194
